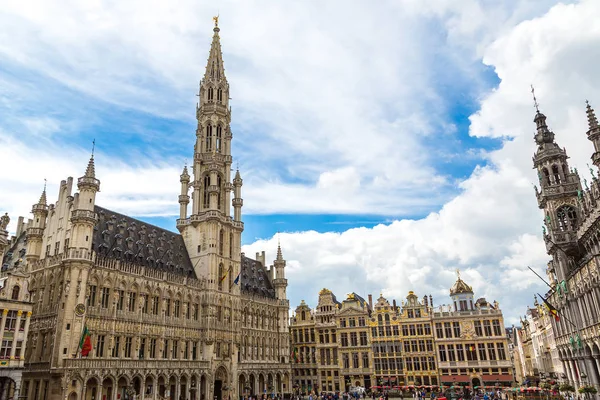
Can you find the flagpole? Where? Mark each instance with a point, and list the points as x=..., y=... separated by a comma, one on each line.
x=566, y=319
x=542, y=279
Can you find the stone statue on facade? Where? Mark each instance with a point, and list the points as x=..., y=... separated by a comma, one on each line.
x=4, y=221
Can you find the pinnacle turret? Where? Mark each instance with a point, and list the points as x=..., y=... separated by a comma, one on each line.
x=591, y=115
x=43, y=201
x=185, y=177
x=90, y=171
x=279, y=254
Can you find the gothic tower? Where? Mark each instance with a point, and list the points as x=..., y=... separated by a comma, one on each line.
x=211, y=234
x=558, y=194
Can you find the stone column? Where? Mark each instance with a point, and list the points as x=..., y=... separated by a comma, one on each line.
x=154, y=387
x=26, y=333
x=591, y=371
x=177, y=387
x=83, y=392
x=17, y=389
x=3, y=323
x=188, y=383
x=99, y=391
x=142, y=389
x=14, y=342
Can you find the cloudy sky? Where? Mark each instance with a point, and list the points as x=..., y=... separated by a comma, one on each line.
x=389, y=142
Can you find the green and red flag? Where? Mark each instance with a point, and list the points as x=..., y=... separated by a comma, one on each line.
x=294, y=355
x=85, y=344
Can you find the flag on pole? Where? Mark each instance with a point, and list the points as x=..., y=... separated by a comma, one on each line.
x=85, y=344
x=294, y=355
x=237, y=279
x=225, y=276
x=551, y=309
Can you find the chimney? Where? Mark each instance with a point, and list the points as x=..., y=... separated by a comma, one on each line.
x=425, y=301
x=19, y=226
x=371, y=301
x=394, y=303
x=430, y=301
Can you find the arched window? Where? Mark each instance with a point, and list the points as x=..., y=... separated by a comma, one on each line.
x=220, y=276
x=303, y=315
x=210, y=94
x=556, y=174
x=230, y=277
x=379, y=319
x=209, y=137
x=221, y=242
x=219, y=95
x=567, y=218
x=15, y=292
x=218, y=141
x=387, y=319
x=230, y=244
x=546, y=176
x=206, y=199
x=565, y=171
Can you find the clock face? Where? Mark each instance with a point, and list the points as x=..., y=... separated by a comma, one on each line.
x=80, y=309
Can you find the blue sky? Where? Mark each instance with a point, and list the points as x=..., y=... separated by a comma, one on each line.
x=391, y=139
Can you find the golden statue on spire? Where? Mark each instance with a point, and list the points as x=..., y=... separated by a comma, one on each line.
x=216, y=19
x=458, y=273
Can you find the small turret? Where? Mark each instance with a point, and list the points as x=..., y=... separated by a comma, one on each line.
x=280, y=283
x=83, y=217
x=237, y=202
x=184, y=199
x=35, y=230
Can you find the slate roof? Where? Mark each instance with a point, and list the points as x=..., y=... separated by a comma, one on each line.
x=120, y=237
x=254, y=279
x=15, y=255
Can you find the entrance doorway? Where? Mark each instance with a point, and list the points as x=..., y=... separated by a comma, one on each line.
x=475, y=382
x=218, y=389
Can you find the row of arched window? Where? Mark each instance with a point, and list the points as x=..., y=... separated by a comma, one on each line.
x=259, y=348
x=206, y=183
x=211, y=92
x=258, y=320
x=555, y=176
x=214, y=137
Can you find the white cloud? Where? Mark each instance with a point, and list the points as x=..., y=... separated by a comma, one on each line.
x=492, y=229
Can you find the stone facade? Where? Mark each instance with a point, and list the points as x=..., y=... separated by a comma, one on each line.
x=471, y=340
x=537, y=351
x=16, y=312
x=355, y=347
x=358, y=343
x=179, y=316
x=571, y=233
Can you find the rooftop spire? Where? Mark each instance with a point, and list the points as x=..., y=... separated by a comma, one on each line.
x=279, y=255
x=535, y=103
x=591, y=115
x=43, y=200
x=214, y=67
x=543, y=135
x=90, y=171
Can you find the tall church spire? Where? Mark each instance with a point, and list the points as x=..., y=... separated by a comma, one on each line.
x=213, y=237
x=215, y=71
